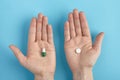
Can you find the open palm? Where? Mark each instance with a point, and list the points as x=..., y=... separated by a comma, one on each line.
x=77, y=35
x=40, y=36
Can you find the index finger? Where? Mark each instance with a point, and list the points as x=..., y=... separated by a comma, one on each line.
x=32, y=31
x=84, y=25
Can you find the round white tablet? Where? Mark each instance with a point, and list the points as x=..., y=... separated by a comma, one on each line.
x=78, y=50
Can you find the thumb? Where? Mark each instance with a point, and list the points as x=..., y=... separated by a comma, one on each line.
x=18, y=54
x=98, y=42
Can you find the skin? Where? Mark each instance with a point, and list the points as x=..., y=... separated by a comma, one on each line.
x=40, y=36
x=77, y=35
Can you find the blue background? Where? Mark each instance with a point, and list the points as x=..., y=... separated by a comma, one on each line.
x=102, y=15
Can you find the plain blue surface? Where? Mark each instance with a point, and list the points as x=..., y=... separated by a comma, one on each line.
x=102, y=15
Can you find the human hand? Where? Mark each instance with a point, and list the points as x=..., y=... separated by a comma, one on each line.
x=40, y=36
x=77, y=35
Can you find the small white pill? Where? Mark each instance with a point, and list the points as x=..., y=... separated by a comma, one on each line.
x=43, y=50
x=78, y=50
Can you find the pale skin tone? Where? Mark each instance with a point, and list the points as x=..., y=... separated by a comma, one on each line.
x=40, y=36
x=77, y=35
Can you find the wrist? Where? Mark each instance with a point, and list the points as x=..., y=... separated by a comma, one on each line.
x=85, y=73
x=44, y=77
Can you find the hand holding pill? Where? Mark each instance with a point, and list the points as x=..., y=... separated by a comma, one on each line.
x=40, y=58
x=81, y=54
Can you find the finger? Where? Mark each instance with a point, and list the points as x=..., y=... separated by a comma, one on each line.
x=84, y=25
x=39, y=26
x=32, y=30
x=67, y=31
x=71, y=23
x=77, y=22
x=50, y=34
x=44, y=29
x=98, y=41
x=18, y=54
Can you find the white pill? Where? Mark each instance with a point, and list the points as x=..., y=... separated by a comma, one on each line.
x=43, y=50
x=78, y=50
